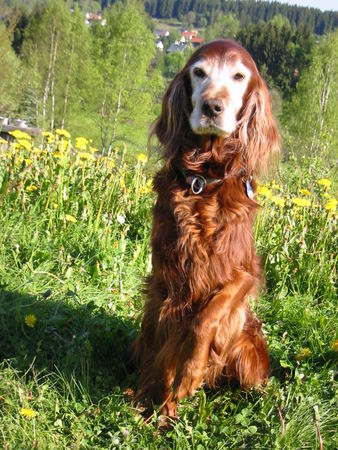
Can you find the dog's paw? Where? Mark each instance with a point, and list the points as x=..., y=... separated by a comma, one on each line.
x=189, y=380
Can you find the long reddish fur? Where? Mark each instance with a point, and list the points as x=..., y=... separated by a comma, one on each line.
x=197, y=325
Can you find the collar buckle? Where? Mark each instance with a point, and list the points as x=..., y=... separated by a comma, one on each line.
x=198, y=184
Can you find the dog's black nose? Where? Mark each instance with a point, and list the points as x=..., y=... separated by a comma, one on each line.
x=212, y=108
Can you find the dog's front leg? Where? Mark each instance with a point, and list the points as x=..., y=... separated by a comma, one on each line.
x=194, y=354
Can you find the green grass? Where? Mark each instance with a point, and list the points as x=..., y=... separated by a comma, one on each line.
x=74, y=248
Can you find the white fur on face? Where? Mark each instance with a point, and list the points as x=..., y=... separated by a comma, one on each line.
x=224, y=81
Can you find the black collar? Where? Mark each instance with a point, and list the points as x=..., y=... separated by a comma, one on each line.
x=198, y=182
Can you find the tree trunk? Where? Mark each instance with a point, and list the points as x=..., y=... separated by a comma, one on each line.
x=118, y=107
x=104, y=134
x=46, y=90
x=68, y=84
x=323, y=102
x=118, y=104
x=52, y=84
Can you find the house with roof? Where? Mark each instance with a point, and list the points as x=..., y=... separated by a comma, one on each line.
x=159, y=33
x=177, y=47
x=159, y=46
x=197, y=41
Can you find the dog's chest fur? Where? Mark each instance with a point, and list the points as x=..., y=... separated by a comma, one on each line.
x=204, y=239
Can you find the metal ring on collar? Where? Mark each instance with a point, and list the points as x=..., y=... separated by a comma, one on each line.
x=198, y=183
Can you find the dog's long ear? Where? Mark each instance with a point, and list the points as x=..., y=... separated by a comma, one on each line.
x=258, y=132
x=172, y=127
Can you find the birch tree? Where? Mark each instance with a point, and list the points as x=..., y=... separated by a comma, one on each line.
x=58, y=55
x=310, y=117
x=125, y=49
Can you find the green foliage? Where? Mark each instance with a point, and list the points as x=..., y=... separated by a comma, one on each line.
x=124, y=50
x=279, y=53
x=173, y=63
x=11, y=74
x=56, y=52
x=74, y=246
x=310, y=116
x=98, y=80
x=247, y=11
x=226, y=26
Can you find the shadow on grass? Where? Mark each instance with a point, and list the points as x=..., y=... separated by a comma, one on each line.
x=68, y=337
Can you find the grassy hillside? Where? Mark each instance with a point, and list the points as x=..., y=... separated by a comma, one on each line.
x=74, y=248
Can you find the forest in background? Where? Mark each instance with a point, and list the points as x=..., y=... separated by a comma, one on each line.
x=106, y=81
x=203, y=13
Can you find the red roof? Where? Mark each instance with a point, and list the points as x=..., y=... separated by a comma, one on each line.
x=189, y=34
x=197, y=40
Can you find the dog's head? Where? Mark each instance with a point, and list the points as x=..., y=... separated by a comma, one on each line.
x=220, y=94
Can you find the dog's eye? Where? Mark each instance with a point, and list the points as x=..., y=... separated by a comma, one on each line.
x=238, y=76
x=199, y=72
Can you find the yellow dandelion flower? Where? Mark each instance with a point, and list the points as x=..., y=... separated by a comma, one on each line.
x=30, y=320
x=304, y=353
x=331, y=205
x=70, y=218
x=305, y=191
x=278, y=201
x=264, y=191
x=324, y=182
x=57, y=154
x=63, y=133
x=18, y=134
x=25, y=144
x=144, y=190
x=29, y=413
x=18, y=161
x=111, y=164
x=31, y=188
x=335, y=346
x=49, y=136
x=122, y=183
x=142, y=158
x=82, y=163
x=303, y=202
x=81, y=143
x=275, y=185
x=28, y=161
x=87, y=156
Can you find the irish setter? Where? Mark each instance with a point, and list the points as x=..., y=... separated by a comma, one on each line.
x=217, y=132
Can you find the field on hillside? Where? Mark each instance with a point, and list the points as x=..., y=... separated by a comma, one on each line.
x=74, y=248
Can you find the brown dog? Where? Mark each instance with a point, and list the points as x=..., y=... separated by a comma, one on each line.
x=217, y=132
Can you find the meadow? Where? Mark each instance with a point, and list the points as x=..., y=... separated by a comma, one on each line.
x=74, y=250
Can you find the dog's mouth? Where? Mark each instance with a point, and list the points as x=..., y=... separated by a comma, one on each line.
x=208, y=126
